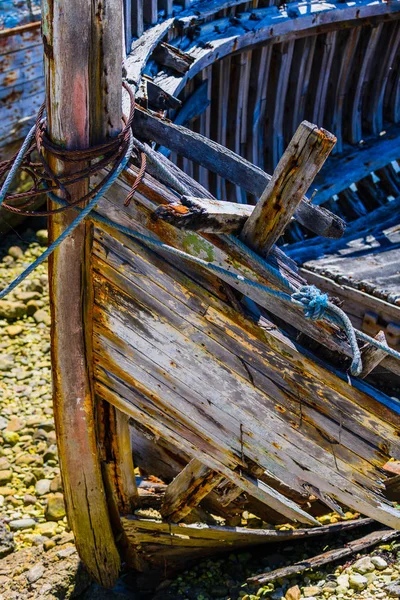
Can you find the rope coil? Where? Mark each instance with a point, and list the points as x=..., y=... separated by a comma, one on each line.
x=315, y=304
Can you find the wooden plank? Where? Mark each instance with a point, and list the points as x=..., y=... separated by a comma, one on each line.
x=137, y=18
x=342, y=84
x=371, y=356
x=188, y=488
x=141, y=50
x=68, y=29
x=136, y=344
x=229, y=165
x=168, y=278
x=352, y=547
x=364, y=75
x=203, y=214
x=294, y=174
x=172, y=58
x=150, y=12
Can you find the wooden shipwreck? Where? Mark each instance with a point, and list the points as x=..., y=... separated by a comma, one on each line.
x=226, y=398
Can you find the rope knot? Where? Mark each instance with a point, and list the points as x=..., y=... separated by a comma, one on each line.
x=314, y=302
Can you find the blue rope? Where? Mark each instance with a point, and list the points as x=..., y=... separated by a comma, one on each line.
x=17, y=163
x=314, y=303
x=83, y=213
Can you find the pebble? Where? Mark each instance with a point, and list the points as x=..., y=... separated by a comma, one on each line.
x=379, y=562
x=42, y=487
x=5, y=477
x=35, y=573
x=18, y=524
x=364, y=565
x=14, y=330
x=55, y=509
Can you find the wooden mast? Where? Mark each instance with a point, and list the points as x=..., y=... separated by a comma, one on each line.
x=83, y=49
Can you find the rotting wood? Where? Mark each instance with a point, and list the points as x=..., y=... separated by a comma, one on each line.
x=203, y=214
x=296, y=170
x=188, y=488
x=231, y=166
x=70, y=31
x=351, y=548
x=371, y=356
x=173, y=58
x=157, y=98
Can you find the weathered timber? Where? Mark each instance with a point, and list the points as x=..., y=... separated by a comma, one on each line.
x=188, y=488
x=351, y=548
x=224, y=250
x=195, y=384
x=173, y=58
x=371, y=356
x=157, y=98
x=301, y=161
x=203, y=214
x=141, y=50
x=231, y=166
x=73, y=33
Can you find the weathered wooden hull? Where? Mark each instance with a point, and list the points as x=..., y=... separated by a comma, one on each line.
x=252, y=402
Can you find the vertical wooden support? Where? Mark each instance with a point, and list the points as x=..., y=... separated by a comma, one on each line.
x=83, y=50
x=299, y=165
x=188, y=488
x=371, y=356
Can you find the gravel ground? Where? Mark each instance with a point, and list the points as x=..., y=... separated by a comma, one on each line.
x=36, y=545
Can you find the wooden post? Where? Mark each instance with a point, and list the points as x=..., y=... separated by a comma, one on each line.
x=188, y=488
x=371, y=356
x=296, y=170
x=83, y=48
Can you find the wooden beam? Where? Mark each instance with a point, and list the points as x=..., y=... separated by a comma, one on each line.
x=371, y=356
x=349, y=549
x=230, y=166
x=83, y=105
x=296, y=170
x=203, y=214
x=188, y=488
x=173, y=58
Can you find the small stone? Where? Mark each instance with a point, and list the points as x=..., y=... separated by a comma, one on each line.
x=42, y=487
x=51, y=453
x=12, y=310
x=312, y=590
x=29, y=499
x=4, y=463
x=379, y=562
x=15, y=252
x=7, y=491
x=29, y=480
x=6, y=364
x=29, y=459
x=15, y=424
x=41, y=316
x=66, y=552
x=48, y=545
x=7, y=544
x=47, y=529
x=42, y=237
x=26, y=297
x=293, y=593
x=14, y=330
x=364, y=565
x=3, y=420
x=56, y=484
x=18, y=524
x=5, y=477
x=35, y=573
x=358, y=582
x=10, y=437
x=393, y=589
x=55, y=509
